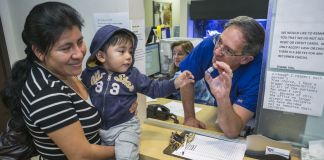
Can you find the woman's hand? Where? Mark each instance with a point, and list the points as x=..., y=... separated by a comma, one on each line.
x=183, y=79
x=220, y=86
x=133, y=108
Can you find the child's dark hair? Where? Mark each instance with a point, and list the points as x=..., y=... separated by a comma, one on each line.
x=44, y=25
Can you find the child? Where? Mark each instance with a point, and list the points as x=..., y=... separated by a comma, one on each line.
x=113, y=83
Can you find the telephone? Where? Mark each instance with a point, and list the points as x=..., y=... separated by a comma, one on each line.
x=160, y=112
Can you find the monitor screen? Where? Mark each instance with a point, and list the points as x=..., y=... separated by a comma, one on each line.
x=152, y=59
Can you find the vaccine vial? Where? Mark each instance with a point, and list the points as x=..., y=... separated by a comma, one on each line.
x=210, y=70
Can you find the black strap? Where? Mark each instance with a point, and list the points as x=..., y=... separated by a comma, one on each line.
x=174, y=118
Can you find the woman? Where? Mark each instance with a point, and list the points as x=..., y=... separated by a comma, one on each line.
x=180, y=49
x=45, y=89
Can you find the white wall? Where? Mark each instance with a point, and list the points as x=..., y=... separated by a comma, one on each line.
x=184, y=17
x=179, y=14
x=14, y=12
x=12, y=27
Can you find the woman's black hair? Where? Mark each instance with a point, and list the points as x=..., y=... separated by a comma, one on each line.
x=44, y=25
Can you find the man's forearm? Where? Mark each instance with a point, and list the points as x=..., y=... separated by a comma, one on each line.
x=187, y=97
x=230, y=123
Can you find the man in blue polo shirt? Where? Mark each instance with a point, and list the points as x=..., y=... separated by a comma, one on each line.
x=236, y=54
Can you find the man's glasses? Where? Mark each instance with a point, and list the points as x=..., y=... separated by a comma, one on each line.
x=226, y=50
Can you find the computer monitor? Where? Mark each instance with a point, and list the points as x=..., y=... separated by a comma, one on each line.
x=152, y=56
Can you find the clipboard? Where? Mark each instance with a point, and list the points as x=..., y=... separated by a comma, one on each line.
x=170, y=148
x=205, y=147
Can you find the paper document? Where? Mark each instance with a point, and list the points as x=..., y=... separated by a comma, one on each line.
x=277, y=151
x=177, y=108
x=305, y=155
x=207, y=148
x=316, y=148
x=149, y=99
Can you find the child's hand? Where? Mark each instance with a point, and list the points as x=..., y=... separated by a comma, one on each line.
x=183, y=79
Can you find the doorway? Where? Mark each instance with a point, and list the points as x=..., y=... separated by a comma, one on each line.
x=4, y=75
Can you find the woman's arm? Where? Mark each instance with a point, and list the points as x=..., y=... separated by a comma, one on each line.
x=72, y=141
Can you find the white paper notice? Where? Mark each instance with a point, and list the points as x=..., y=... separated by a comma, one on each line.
x=296, y=93
x=149, y=99
x=207, y=148
x=177, y=108
x=298, y=38
x=138, y=27
x=305, y=155
x=316, y=148
x=119, y=19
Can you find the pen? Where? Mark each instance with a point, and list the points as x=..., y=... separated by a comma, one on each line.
x=185, y=144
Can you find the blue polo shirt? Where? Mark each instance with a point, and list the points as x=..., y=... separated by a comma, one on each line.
x=245, y=81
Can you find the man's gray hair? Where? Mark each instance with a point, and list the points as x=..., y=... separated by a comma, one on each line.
x=252, y=31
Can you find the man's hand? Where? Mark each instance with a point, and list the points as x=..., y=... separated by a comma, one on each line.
x=220, y=86
x=193, y=122
x=183, y=79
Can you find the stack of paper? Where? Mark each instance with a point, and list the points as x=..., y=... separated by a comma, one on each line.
x=207, y=148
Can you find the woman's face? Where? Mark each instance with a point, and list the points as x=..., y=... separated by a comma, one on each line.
x=178, y=55
x=65, y=57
